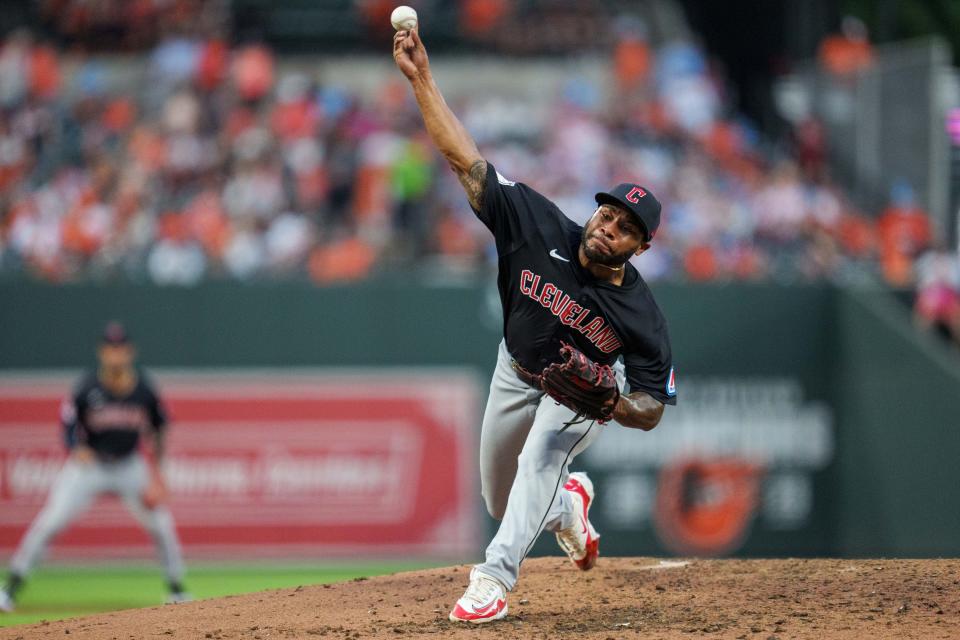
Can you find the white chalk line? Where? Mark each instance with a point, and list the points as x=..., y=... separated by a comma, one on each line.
x=666, y=564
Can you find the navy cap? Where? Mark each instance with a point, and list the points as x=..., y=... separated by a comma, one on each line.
x=638, y=201
x=115, y=333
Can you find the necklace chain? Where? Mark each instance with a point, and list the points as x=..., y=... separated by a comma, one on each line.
x=620, y=268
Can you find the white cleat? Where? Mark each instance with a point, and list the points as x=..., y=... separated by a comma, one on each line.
x=580, y=542
x=484, y=601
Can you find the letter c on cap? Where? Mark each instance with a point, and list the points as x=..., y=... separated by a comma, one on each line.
x=635, y=194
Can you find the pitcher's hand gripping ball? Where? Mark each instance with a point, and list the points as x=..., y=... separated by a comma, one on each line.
x=582, y=385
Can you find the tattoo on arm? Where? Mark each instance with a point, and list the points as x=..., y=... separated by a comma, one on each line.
x=473, y=182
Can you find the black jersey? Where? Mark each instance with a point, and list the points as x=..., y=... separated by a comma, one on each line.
x=111, y=425
x=549, y=298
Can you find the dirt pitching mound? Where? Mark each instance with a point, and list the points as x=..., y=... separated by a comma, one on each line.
x=620, y=598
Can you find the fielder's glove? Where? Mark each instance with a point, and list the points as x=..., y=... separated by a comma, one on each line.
x=582, y=385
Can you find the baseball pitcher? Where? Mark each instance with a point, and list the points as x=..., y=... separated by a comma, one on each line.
x=579, y=325
x=103, y=421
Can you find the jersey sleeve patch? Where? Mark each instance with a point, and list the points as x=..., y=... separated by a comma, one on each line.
x=671, y=383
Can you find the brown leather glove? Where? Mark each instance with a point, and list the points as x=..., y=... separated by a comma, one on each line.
x=587, y=388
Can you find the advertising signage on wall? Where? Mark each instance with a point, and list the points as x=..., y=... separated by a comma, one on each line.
x=268, y=463
x=734, y=467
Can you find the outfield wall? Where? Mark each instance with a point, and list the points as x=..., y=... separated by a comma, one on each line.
x=273, y=463
x=811, y=421
x=899, y=406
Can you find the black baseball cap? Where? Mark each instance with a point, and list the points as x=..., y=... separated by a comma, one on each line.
x=115, y=333
x=638, y=201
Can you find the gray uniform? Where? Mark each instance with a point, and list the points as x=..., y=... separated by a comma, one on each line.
x=524, y=460
x=77, y=485
x=111, y=426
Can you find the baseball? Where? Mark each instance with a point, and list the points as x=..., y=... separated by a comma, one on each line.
x=403, y=18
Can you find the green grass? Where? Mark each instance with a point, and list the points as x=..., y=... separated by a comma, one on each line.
x=65, y=592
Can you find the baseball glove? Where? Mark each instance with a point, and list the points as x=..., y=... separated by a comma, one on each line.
x=582, y=385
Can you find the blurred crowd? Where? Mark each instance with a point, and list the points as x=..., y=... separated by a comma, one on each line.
x=222, y=165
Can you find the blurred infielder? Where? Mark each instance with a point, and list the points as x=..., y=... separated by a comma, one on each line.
x=103, y=421
x=573, y=306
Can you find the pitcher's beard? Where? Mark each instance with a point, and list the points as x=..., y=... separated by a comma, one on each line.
x=614, y=261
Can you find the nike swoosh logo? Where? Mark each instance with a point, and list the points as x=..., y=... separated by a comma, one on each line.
x=486, y=609
x=554, y=254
